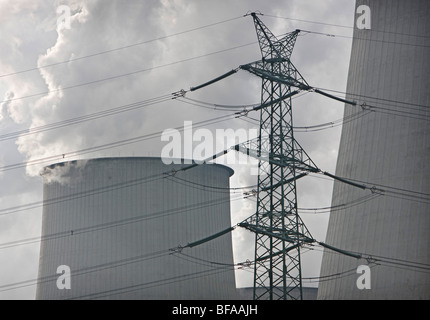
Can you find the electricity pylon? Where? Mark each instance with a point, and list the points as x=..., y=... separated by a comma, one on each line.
x=280, y=232
x=279, y=229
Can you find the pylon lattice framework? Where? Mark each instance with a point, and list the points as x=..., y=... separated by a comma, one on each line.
x=278, y=227
x=279, y=230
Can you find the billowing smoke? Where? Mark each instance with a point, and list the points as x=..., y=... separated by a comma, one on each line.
x=64, y=172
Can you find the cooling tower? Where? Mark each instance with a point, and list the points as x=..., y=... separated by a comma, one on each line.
x=387, y=148
x=113, y=222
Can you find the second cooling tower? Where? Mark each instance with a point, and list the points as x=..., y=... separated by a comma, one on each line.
x=111, y=224
x=388, y=149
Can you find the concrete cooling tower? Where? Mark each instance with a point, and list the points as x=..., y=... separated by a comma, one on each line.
x=389, y=148
x=109, y=224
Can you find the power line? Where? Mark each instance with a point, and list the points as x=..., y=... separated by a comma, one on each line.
x=120, y=48
x=225, y=107
x=215, y=106
x=93, y=116
x=107, y=145
x=20, y=208
x=120, y=185
x=192, y=30
x=128, y=74
x=120, y=222
x=122, y=262
x=401, y=113
x=399, y=263
x=206, y=186
x=367, y=39
x=93, y=269
x=378, y=260
x=332, y=124
x=100, y=267
x=310, y=21
x=331, y=209
x=377, y=99
x=114, y=264
x=404, y=194
x=163, y=213
x=248, y=108
x=89, y=117
x=372, y=30
x=175, y=279
x=389, y=261
x=98, y=115
x=152, y=284
x=407, y=110
x=334, y=276
x=86, y=270
x=394, y=190
x=81, y=194
x=342, y=206
x=206, y=262
x=415, y=110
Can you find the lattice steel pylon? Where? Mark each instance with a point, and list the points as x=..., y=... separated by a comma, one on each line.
x=279, y=230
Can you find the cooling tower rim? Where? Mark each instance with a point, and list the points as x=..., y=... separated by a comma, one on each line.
x=106, y=159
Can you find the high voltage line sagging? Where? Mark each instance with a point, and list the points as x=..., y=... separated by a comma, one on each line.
x=390, y=191
x=114, y=111
x=184, y=60
x=372, y=30
x=373, y=261
x=125, y=74
x=367, y=103
x=200, y=28
x=376, y=192
x=140, y=104
x=121, y=222
x=109, y=145
x=367, y=39
x=376, y=189
x=149, y=216
x=416, y=111
x=89, y=117
x=139, y=138
x=168, y=97
x=120, y=48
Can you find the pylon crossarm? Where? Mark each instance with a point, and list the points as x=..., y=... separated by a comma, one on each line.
x=301, y=162
x=278, y=233
x=272, y=102
x=295, y=246
x=258, y=155
x=276, y=77
x=272, y=187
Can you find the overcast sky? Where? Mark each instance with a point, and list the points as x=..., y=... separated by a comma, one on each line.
x=186, y=52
